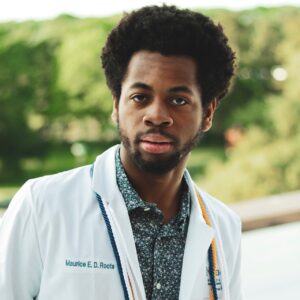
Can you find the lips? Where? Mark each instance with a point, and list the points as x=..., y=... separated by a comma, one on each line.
x=156, y=143
x=155, y=138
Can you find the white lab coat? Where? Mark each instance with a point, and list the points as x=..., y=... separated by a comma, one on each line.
x=54, y=242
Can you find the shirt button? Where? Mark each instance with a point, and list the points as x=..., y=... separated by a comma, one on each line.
x=158, y=286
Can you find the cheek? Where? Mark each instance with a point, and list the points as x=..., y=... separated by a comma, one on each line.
x=190, y=123
x=129, y=116
x=128, y=121
x=197, y=118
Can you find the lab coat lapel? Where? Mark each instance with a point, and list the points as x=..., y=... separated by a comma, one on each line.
x=104, y=183
x=120, y=215
x=198, y=240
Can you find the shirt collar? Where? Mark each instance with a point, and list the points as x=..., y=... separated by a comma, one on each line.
x=131, y=198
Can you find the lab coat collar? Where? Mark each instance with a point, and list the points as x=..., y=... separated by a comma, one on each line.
x=104, y=175
x=199, y=238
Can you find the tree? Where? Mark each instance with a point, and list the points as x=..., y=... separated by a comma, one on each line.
x=26, y=88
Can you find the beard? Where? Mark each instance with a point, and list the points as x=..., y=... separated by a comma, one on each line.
x=160, y=164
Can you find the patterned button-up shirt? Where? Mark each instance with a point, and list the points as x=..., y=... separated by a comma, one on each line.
x=160, y=247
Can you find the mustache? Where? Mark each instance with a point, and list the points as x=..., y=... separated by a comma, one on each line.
x=155, y=131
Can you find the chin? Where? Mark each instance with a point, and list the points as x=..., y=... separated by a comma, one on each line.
x=162, y=164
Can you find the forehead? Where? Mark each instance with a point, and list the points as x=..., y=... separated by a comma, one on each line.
x=153, y=68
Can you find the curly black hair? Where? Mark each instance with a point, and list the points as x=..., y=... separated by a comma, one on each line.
x=171, y=31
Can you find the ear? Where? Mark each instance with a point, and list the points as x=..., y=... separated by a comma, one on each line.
x=114, y=113
x=209, y=114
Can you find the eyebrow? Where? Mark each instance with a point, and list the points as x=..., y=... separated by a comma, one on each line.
x=141, y=85
x=181, y=88
x=175, y=89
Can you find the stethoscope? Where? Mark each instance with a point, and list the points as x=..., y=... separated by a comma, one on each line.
x=212, y=251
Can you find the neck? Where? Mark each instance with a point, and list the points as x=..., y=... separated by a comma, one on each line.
x=162, y=189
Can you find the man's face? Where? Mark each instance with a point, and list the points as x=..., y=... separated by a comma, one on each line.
x=159, y=113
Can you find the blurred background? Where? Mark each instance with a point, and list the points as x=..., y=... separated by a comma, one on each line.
x=55, y=106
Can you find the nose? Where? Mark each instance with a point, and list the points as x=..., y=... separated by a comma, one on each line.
x=157, y=115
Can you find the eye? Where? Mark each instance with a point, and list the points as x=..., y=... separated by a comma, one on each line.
x=179, y=101
x=139, y=98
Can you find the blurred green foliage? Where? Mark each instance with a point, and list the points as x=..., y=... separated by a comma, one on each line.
x=267, y=160
x=53, y=93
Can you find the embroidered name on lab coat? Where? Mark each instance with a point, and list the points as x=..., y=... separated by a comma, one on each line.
x=88, y=264
x=218, y=281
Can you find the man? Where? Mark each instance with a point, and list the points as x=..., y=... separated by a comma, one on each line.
x=134, y=225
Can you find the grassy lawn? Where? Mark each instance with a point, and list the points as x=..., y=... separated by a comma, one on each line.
x=61, y=159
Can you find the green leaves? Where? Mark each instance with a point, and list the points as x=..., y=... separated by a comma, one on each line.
x=52, y=88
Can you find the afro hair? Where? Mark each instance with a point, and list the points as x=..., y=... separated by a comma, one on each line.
x=171, y=31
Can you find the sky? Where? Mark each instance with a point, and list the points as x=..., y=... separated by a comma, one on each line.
x=19, y=10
